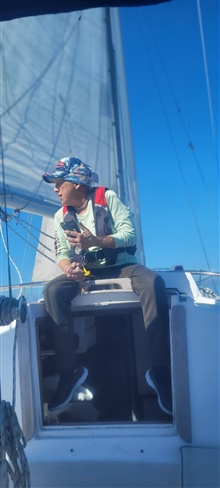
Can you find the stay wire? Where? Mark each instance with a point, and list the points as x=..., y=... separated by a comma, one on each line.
x=32, y=235
x=207, y=80
x=179, y=111
x=34, y=247
x=11, y=260
x=5, y=206
x=176, y=152
x=19, y=220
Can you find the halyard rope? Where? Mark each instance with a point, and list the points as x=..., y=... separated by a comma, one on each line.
x=13, y=461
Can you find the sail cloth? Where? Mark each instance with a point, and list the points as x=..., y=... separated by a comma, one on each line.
x=11, y=9
x=57, y=101
x=45, y=265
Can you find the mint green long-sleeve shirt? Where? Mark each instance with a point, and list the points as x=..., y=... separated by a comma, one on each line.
x=123, y=230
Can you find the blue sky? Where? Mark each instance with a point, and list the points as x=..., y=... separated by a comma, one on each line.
x=174, y=136
x=174, y=144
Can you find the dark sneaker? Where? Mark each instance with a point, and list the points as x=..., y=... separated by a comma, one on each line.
x=159, y=379
x=66, y=389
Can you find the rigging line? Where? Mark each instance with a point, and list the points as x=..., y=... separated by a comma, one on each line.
x=36, y=249
x=190, y=144
x=30, y=233
x=64, y=112
x=25, y=240
x=207, y=80
x=67, y=126
x=19, y=219
x=12, y=261
x=5, y=205
x=30, y=217
x=176, y=152
x=43, y=73
x=25, y=249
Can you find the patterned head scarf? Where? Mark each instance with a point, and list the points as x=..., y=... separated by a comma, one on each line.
x=73, y=170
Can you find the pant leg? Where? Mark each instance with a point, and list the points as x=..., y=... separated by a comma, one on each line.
x=58, y=295
x=150, y=287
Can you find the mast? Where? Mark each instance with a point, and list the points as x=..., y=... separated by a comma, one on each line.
x=121, y=183
x=127, y=181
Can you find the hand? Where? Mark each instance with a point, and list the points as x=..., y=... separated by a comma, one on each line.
x=75, y=271
x=83, y=240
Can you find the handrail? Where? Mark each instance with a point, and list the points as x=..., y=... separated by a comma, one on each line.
x=23, y=285
x=42, y=283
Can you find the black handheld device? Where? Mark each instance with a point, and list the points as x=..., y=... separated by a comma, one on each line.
x=70, y=225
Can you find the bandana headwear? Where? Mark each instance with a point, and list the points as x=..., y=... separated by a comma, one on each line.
x=73, y=170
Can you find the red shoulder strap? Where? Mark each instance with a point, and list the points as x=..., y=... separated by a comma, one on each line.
x=99, y=198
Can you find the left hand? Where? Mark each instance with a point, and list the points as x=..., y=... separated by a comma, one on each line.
x=83, y=240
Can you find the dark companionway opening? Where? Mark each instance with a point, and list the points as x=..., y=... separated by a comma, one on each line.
x=117, y=360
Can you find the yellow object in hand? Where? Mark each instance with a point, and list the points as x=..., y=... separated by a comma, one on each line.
x=86, y=272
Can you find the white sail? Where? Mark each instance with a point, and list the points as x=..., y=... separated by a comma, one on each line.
x=58, y=100
x=45, y=267
x=55, y=102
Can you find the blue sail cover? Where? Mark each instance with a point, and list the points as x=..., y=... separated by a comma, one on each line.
x=13, y=9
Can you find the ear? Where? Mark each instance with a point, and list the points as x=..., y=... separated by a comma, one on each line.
x=76, y=186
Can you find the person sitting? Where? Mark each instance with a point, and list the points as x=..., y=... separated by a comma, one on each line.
x=102, y=242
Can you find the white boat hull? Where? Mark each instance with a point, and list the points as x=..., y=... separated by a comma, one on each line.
x=140, y=452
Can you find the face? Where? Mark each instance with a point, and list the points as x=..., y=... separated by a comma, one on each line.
x=66, y=191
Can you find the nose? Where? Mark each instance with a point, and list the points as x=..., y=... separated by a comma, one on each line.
x=57, y=185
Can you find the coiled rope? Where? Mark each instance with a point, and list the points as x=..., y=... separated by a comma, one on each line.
x=11, y=309
x=209, y=293
x=13, y=461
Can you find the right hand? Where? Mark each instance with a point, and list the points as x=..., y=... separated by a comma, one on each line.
x=75, y=271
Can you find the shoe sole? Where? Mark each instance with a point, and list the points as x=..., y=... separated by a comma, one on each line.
x=151, y=383
x=78, y=383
